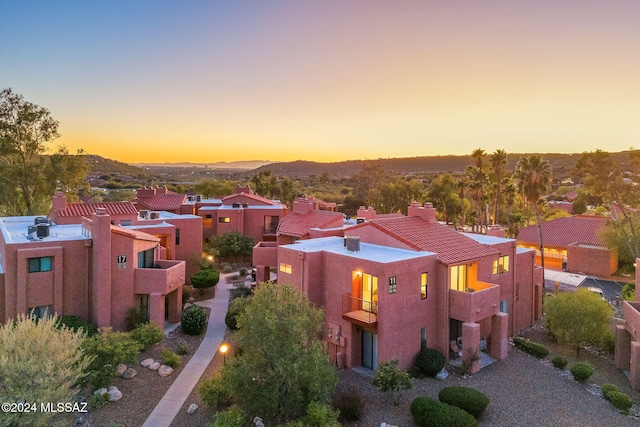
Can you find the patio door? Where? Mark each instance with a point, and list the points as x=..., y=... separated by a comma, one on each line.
x=369, y=293
x=369, y=350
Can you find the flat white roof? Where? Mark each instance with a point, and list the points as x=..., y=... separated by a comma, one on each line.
x=523, y=250
x=15, y=229
x=487, y=240
x=370, y=252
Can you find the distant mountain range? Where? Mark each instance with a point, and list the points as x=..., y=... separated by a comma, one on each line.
x=244, y=164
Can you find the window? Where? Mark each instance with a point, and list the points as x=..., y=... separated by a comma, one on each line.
x=504, y=306
x=37, y=265
x=458, y=277
x=285, y=268
x=207, y=221
x=224, y=219
x=40, y=312
x=423, y=339
x=146, y=258
x=271, y=223
x=392, y=285
x=501, y=265
x=177, y=236
x=424, y=279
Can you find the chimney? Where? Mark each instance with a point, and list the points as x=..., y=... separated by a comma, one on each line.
x=367, y=214
x=59, y=202
x=302, y=206
x=101, y=268
x=428, y=212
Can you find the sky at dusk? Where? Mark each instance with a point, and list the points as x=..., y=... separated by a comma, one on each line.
x=208, y=81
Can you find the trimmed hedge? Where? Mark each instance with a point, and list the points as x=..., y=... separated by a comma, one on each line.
x=467, y=398
x=428, y=412
x=618, y=399
x=559, y=362
x=194, y=320
x=74, y=323
x=430, y=361
x=581, y=371
x=533, y=348
x=147, y=335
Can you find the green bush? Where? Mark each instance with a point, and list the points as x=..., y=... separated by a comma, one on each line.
x=183, y=349
x=469, y=399
x=134, y=318
x=108, y=349
x=559, y=362
x=204, y=279
x=428, y=412
x=606, y=388
x=147, y=335
x=240, y=292
x=236, y=307
x=242, y=271
x=608, y=343
x=75, y=323
x=350, y=404
x=194, y=320
x=215, y=392
x=98, y=401
x=232, y=417
x=430, y=361
x=169, y=358
x=320, y=415
x=533, y=348
x=581, y=371
x=226, y=268
x=620, y=400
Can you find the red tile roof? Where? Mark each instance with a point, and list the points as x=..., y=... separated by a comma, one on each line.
x=389, y=215
x=565, y=231
x=298, y=224
x=451, y=246
x=240, y=196
x=162, y=202
x=88, y=209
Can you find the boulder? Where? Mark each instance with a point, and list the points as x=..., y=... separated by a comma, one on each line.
x=257, y=422
x=192, y=409
x=146, y=362
x=121, y=368
x=100, y=391
x=165, y=371
x=114, y=394
x=154, y=366
x=129, y=373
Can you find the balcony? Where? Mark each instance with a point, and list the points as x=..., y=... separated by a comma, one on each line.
x=265, y=254
x=166, y=276
x=631, y=315
x=359, y=311
x=483, y=302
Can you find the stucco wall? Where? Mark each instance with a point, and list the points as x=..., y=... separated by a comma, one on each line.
x=592, y=260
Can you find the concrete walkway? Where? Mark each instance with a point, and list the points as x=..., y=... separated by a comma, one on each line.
x=166, y=410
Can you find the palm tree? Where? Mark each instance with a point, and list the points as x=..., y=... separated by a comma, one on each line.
x=478, y=155
x=499, y=167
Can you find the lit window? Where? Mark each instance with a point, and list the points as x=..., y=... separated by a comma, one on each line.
x=424, y=280
x=458, y=277
x=285, y=268
x=392, y=285
x=224, y=219
x=501, y=265
x=37, y=265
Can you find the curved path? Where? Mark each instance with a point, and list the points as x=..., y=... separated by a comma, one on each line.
x=166, y=410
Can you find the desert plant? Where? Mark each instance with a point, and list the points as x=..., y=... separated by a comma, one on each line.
x=535, y=349
x=387, y=377
x=581, y=371
x=606, y=388
x=194, y=320
x=98, y=401
x=186, y=293
x=135, y=317
x=428, y=412
x=559, y=362
x=147, y=335
x=231, y=318
x=620, y=400
x=240, y=292
x=76, y=323
x=242, y=271
x=232, y=417
x=108, y=349
x=183, y=349
x=430, y=361
x=169, y=358
x=226, y=268
x=469, y=399
x=205, y=279
x=215, y=392
x=320, y=415
x=350, y=404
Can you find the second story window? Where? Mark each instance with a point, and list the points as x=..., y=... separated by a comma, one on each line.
x=424, y=281
x=458, y=277
x=224, y=219
x=146, y=258
x=285, y=268
x=37, y=265
x=501, y=265
x=177, y=236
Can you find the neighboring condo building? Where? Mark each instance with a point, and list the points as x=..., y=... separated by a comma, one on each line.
x=395, y=285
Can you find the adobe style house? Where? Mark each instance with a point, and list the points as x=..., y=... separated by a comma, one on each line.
x=245, y=212
x=161, y=199
x=92, y=268
x=575, y=239
x=395, y=285
x=627, y=352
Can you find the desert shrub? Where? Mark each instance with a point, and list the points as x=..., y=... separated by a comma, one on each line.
x=242, y=271
x=169, y=358
x=183, y=349
x=194, y=320
x=428, y=412
x=388, y=377
x=147, y=335
x=608, y=343
x=581, y=371
x=533, y=348
x=469, y=399
x=236, y=307
x=559, y=362
x=232, y=417
x=186, y=293
x=240, y=292
x=350, y=404
x=226, y=268
x=98, y=401
x=606, y=388
x=620, y=400
x=134, y=318
x=205, y=279
x=215, y=392
x=430, y=361
x=320, y=415
x=76, y=323
x=108, y=348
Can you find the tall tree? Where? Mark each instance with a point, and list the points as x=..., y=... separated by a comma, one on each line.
x=215, y=187
x=68, y=173
x=443, y=193
x=26, y=129
x=499, y=168
x=478, y=157
x=371, y=175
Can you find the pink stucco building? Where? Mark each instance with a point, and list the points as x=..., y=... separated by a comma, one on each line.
x=394, y=285
x=627, y=351
x=97, y=261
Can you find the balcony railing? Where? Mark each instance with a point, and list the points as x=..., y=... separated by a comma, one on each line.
x=479, y=302
x=359, y=310
x=164, y=277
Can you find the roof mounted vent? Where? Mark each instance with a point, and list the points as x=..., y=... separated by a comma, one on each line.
x=353, y=243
